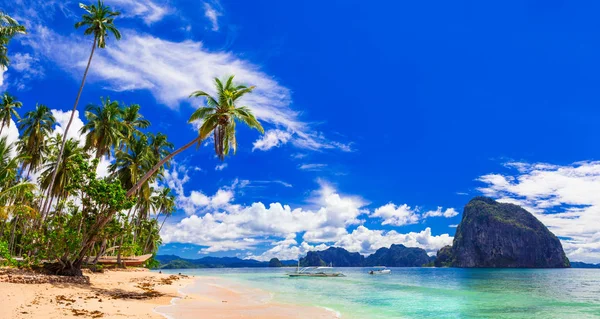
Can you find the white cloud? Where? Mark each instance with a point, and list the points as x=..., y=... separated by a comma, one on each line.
x=448, y=213
x=62, y=119
x=213, y=15
x=224, y=221
x=564, y=198
x=287, y=249
x=367, y=241
x=2, y=78
x=12, y=136
x=172, y=70
x=220, y=167
x=312, y=167
x=397, y=215
x=272, y=138
x=147, y=10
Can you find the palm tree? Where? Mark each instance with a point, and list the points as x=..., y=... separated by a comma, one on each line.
x=9, y=27
x=104, y=127
x=8, y=108
x=36, y=126
x=130, y=165
x=160, y=146
x=51, y=168
x=219, y=117
x=133, y=121
x=98, y=21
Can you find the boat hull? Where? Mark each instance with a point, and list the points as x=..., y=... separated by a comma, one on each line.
x=127, y=261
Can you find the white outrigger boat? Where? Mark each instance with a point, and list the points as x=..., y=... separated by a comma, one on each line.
x=315, y=272
x=380, y=270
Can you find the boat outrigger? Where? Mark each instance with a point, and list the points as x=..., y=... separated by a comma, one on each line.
x=315, y=272
x=380, y=270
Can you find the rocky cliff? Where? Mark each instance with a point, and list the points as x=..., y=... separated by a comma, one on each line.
x=339, y=257
x=398, y=256
x=493, y=234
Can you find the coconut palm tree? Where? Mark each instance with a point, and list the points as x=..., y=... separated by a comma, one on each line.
x=99, y=22
x=132, y=122
x=36, y=126
x=9, y=27
x=130, y=165
x=8, y=109
x=219, y=117
x=60, y=187
x=104, y=127
x=160, y=146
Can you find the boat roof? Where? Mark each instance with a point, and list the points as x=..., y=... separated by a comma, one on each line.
x=379, y=267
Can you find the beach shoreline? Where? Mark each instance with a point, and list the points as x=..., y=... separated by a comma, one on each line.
x=214, y=297
x=138, y=293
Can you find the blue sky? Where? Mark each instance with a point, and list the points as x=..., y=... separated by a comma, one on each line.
x=376, y=114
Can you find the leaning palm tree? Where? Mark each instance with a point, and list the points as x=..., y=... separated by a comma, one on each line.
x=36, y=127
x=8, y=109
x=9, y=27
x=219, y=117
x=104, y=127
x=99, y=22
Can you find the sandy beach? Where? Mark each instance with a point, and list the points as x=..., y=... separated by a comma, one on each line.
x=136, y=293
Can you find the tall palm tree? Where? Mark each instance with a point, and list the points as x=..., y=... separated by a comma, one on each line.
x=8, y=109
x=36, y=126
x=219, y=117
x=104, y=127
x=132, y=122
x=9, y=27
x=99, y=22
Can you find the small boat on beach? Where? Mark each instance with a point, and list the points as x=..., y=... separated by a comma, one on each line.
x=127, y=261
x=380, y=270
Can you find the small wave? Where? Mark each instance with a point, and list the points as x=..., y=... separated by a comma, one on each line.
x=337, y=313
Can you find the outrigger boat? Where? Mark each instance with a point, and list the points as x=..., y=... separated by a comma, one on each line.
x=315, y=272
x=112, y=260
x=380, y=270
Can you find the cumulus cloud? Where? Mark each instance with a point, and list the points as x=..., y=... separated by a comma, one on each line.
x=12, y=136
x=272, y=138
x=62, y=119
x=439, y=212
x=287, y=249
x=208, y=224
x=563, y=197
x=396, y=215
x=367, y=241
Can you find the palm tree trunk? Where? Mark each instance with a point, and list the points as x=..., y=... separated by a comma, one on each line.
x=157, y=166
x=1, y=128
x=62, y=147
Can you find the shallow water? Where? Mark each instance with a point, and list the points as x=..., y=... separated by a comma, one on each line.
x=432, y=292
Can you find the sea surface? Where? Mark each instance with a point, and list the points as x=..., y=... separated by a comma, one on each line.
x=432, y=292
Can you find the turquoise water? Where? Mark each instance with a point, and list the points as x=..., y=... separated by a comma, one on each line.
x=433, y=292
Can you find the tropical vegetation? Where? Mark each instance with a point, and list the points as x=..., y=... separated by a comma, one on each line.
x=56, y=211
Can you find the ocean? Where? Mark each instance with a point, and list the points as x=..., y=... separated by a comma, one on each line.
x=431, y=292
